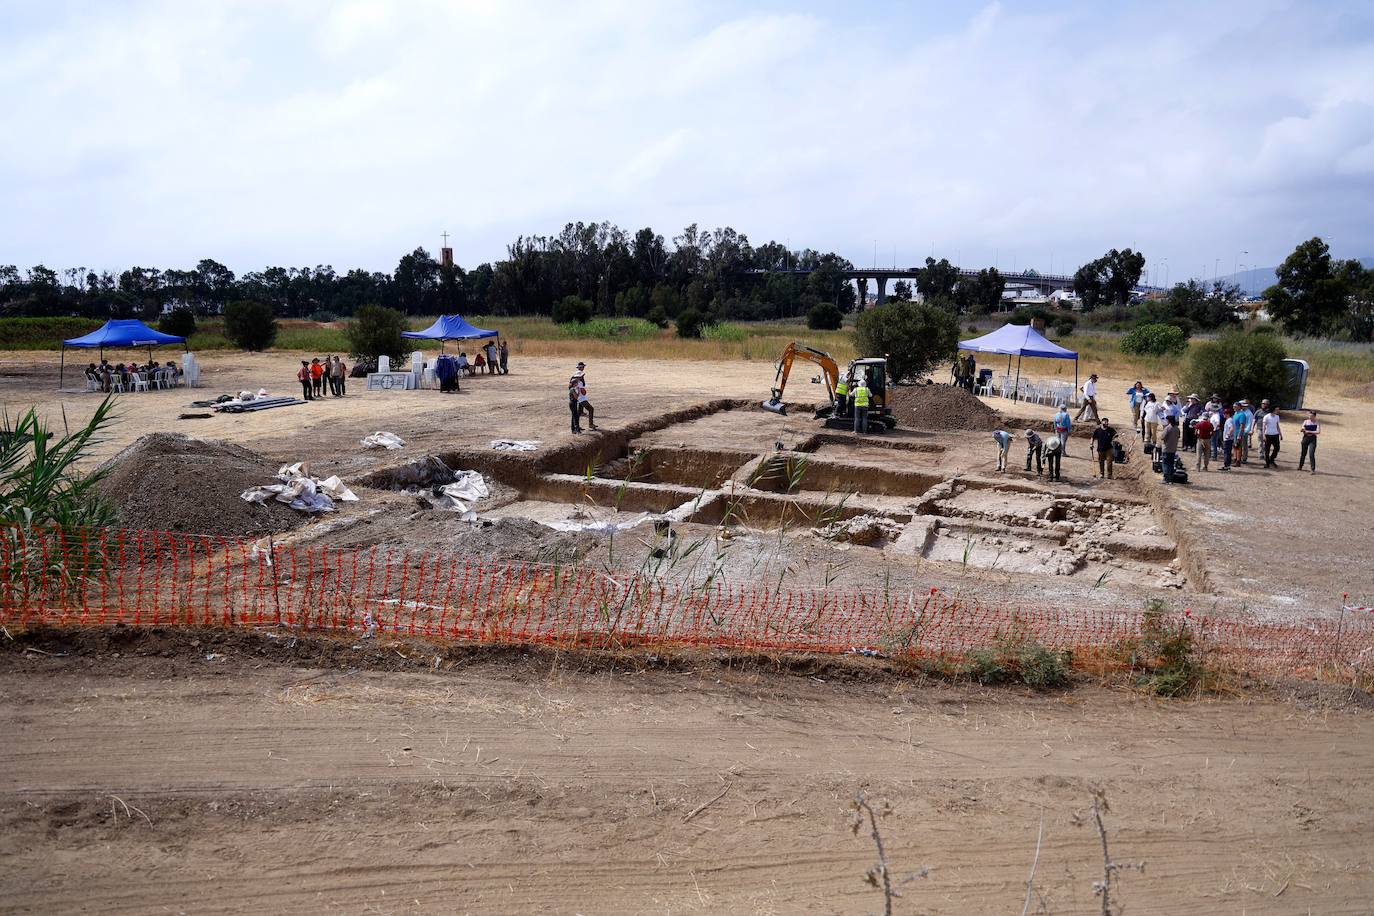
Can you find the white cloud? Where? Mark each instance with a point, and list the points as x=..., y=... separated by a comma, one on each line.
x=159, y=132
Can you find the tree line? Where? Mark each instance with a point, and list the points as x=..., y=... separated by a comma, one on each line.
x=633, y=275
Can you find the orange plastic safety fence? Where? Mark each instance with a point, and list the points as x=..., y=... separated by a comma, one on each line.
x=144, y=578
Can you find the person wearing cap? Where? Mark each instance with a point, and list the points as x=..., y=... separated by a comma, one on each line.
x=1240, y=425
x=1035, y=447
x=1273, y=436
x=303, y=376
x=1003, y=439
x=1062, y=427
x=1228, y=437
x=1214, y=411
x=1248, y=432
x=1202, y=427
x=1089, y=398
x=1136, y=395
x=1103, y=437
x=1310, y=430
x=581, y=403
x=1054, y=453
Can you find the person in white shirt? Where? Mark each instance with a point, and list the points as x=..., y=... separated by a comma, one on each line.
x=1150, y=415
x=1089, y=398
x=1273, y=435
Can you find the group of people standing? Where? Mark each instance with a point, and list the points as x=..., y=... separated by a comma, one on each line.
x=1047, y=452
x=490, y=358
x=318, y=375
x=1215, y=431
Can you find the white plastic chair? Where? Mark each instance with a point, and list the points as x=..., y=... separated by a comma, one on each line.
x=984, y=388
x=140, y=380
x=117, y=383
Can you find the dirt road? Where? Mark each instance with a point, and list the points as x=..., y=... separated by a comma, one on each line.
x=167, y=778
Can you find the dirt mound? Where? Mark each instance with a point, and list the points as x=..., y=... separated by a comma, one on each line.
x=940, y=407
x=171, y=482
x=1364, y=392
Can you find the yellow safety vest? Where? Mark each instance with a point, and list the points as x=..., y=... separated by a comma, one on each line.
x=861, y=396
x=842, y=388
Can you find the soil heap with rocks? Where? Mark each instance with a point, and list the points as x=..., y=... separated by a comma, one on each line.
x=940, y=407
x=171, y=482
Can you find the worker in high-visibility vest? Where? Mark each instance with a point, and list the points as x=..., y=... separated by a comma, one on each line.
x=842, y=397
x=861, y=397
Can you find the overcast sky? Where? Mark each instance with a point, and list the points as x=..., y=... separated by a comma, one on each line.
x=303, y=132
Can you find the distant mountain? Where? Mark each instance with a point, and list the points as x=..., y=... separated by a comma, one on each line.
x=1257, y=280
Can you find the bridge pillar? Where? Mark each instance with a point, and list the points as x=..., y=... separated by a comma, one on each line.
x=882, y=289
x=863, y=293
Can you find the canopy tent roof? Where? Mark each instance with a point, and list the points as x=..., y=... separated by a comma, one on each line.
x=1017, y=340
x=129, y=332
x=449, y=327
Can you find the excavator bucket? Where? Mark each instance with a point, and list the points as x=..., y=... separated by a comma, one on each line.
x=775, y=406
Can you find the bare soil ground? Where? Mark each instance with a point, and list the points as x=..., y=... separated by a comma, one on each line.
x=261, y=776
x=236, y=774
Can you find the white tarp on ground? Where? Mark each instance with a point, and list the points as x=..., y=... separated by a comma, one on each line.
x=302, y=492
x=608, y=526
x=515, y=445
x=383, y=440
x=467, y=488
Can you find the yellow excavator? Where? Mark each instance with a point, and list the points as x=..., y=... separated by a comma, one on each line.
x=838, y=413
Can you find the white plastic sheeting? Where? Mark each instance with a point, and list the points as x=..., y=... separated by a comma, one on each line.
x=515, y=445
x=383, y=440
x=302, y=492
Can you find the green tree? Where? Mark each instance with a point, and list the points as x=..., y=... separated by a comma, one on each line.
x=250, y=324
x=376, y=331
x=690, y=323
x=1196, y=304
x=913, y=336
x=572, y=310
x=180, y=322
x=901, y=292
x=1238, y=365
x=937, y=279
x=981, y=293
x=1109, y=279
x=1312, y=292
x=825, y=317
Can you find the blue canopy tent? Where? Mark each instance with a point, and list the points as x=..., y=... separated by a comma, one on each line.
x=125, y=332
x=1020, y=340
x=449, y=327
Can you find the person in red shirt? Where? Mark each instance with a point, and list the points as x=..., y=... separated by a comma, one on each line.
x=303, y=376
x=317, y=377
x=1202, y=428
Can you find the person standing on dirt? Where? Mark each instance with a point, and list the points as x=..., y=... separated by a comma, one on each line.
x=574, y=407
x=1089, y=398
x=327, y=376
x=1062, y=427
x=1242, y=431
x=861, y=400
x=1136, y=395
x=1190, y=415
x=303, y=376
x=1310, y=430
x=1035, y=448
x=1103, y=437
x=493, y=357
x=1171, y=437
x=1202, y=427
x=1273, y=436
x=581, y=403
x=316, y=376
x=1149, y=420
x=340, y=376
x=842, y=397
x=1228, y=438
x=1054, y=452
x=1003, y=439
x=505, y=357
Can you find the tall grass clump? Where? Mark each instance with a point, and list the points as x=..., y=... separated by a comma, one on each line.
x=47, y=507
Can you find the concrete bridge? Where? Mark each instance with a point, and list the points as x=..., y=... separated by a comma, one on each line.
x=1024, y=280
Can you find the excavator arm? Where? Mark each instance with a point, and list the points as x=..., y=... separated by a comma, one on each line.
x=829, y=369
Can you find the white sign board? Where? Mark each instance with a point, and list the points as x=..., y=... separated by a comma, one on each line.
x=390, y=381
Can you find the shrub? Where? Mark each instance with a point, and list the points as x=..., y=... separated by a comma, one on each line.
x=658, y=316
x=1265, y=329
x=1019, y=660
x=1238, y=365
x=1064, y=324
x=825, y=317
x=971, y=329
x=1154, y=340
x=42, y=333
x=718, y=331
x=179, y=322
x=690, y=323
x=1165, y=655
x=1019, y=317
x=376, y=331
x=572, y=310
x=324, y=317
x=913, y=336
x=250, y=324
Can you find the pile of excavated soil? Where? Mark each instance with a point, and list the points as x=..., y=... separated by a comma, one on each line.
x=940, y=407
x=171, y=482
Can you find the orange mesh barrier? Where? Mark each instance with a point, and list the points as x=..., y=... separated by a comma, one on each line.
x=140, y=578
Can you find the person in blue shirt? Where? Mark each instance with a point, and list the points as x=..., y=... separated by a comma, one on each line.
x=1003, y=448
x=1136, y=395
x=1062, y=426
x=1241, y=428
